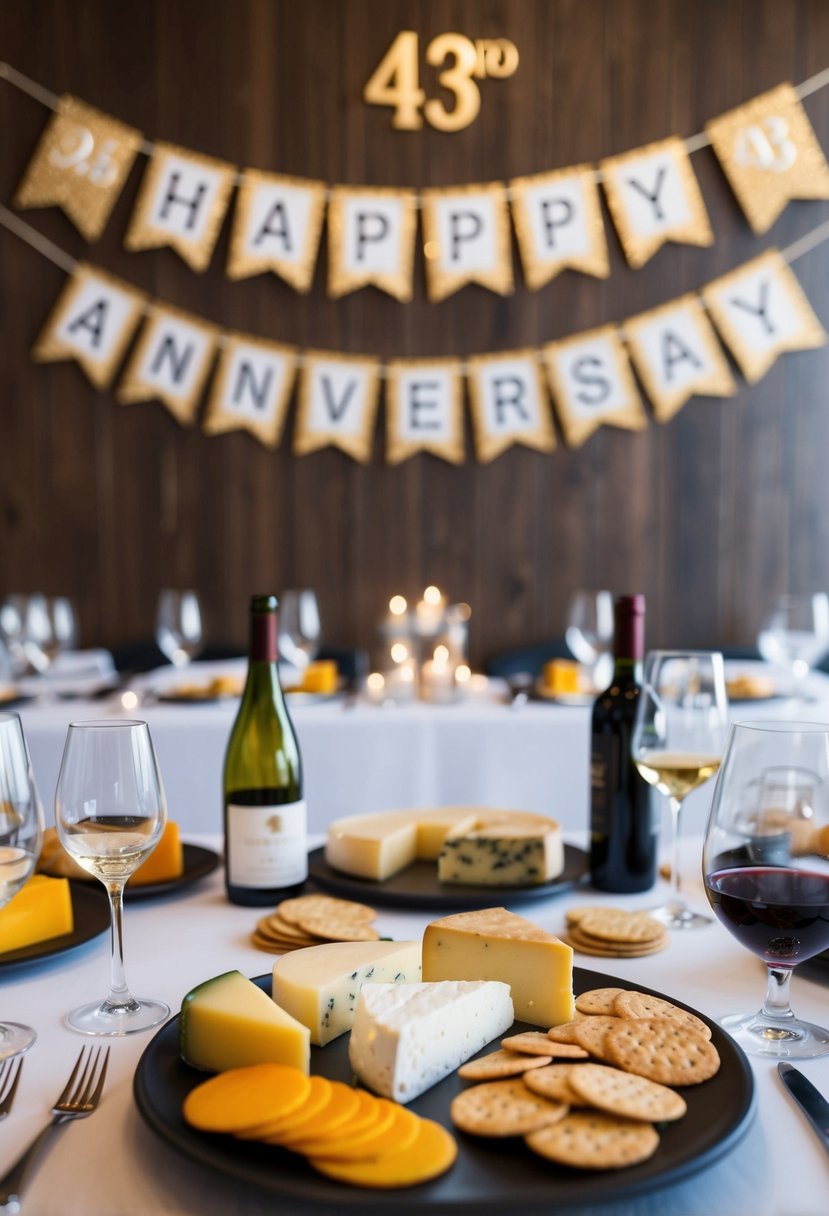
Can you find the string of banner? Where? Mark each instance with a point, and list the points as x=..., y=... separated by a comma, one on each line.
x=767, y=148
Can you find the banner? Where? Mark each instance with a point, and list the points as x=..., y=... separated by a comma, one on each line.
x=170, y=362
x=466, y=240
x=277, y=227
x=592, y=384
x=558, y=222
x=337, y=404
x=251, y=388
x=509, y=404
x=424, y=409
x=371, y=235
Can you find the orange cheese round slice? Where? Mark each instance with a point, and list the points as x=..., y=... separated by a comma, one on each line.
x=398, y=1135
x=244, y=1097
x=348, y=1133
x=318, y=1098
x=432, y=1153
x=343, y=1102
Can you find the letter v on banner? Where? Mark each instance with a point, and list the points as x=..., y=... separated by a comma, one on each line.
x=170, y=362
x=337, y=404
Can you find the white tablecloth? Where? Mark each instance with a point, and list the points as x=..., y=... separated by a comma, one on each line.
x=112, y=1165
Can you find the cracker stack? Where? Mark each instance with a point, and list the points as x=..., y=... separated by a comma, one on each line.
x=614, y=933
x=310, y=920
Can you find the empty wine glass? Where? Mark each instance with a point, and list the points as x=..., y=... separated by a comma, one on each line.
x=110, y=812
x=21, y=832
x=677, y=744
x=12, y=613
x=795, y=635
x=178, y=626
x=40, y=643
x=64, y=622
x=764, y=877
x=589, y=633
x=299, y=627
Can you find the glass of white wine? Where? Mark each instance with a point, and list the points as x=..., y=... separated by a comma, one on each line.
x=677, y=744
x=21, y=833
x=110, y=812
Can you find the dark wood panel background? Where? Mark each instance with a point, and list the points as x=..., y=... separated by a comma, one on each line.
x=710, y=515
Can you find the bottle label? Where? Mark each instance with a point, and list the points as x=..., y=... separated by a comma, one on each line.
x=604, y=768
x=267, y=845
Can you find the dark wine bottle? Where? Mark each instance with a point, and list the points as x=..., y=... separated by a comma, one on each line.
x=623, y=829
x=266, y=855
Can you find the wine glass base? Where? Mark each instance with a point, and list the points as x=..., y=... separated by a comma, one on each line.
x=103, y=1018
x=777, y=1039
x=676, y=916
x=15, y=1039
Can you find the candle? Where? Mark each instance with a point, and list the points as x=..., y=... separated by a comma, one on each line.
x=437, y=677
x=429, y=612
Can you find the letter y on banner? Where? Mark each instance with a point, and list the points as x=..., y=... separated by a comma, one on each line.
x=337, y=404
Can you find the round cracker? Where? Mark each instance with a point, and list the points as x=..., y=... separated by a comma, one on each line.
x=598, y=1000
x=625, y=927
x=575, y=915
x=583, y=946
x=327, y=905
x=591, y=1140
x=626, y=1094
x=552, y=1082
x=503, y=1108
x=643, y=1005
x=590, y=1033
x=661, y=1050
x=563, y=1033
x=332, y=929
x=273, y=926
x=500, y=1064
x=530, y=1042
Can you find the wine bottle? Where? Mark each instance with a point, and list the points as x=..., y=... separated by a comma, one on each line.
x=623, y=829
x=266, y=857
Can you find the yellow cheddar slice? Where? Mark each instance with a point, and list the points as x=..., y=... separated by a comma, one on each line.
x=495, y=944
x=42, y=909
x=166, y=860
x=432, y=1152
x=228, y=1022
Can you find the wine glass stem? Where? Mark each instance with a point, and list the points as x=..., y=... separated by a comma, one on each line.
x=119, y=993
x=777, y=1004
x=677, y=898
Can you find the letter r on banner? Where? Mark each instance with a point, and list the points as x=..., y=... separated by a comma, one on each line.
x=509, y=404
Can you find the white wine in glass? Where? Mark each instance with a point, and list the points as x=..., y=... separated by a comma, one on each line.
x=110, y=812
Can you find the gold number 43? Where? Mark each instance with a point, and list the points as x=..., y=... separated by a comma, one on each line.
x=394, y=82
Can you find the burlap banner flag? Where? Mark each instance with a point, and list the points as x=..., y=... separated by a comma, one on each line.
x=769, y=153
x=80, y=164
x=466, y=237
x=251, y=388
x=592, y=384
x=171, y=362
x=509, y=404
x=277, y=227
x=558, y=222
x=424, y=409
x=92, y=322
x=654, y=197
x=371, y=239
x=337, y=404
x=182, y=203
x=677, y=355
x=761, y=311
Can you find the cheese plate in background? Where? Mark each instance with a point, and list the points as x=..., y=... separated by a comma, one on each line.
x=90, y=915
x=197, y=863
x=417, y=886
x=489, y=1174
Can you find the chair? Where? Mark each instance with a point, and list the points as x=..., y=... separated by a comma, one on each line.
x=529, y=660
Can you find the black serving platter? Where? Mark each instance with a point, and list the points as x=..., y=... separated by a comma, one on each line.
x=90, y=912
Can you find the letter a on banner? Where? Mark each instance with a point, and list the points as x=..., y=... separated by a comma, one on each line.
x=654, y=197
x=509, y=404
x=337, y=404
x=558, y=222
x=92, y=322
x=677, y=355
x=424, y=409
x=170, y=362
x=593, y=385
x=182, y=204
x=251, y=388
x=769, y=153
x=80, y=164
x=371, y=241
x=761, y=311
x=277, y=227
x=466, y=239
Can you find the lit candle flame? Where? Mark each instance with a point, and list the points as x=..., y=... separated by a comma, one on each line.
x=399, y=652
x=397, y=605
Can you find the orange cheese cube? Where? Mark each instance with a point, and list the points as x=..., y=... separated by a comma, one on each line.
x=320, y=676
x=40, y=910
x=166, y=860
x=562, y=676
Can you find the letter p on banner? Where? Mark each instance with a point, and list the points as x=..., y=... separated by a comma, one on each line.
x=371, y=235
x=467, y=239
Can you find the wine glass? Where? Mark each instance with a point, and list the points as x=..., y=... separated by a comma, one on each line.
x=299, y=627
x=178, y=626
x=40, y=643
x=12, y=613
x=677, y=742
x=795, y=635
x=589, y=633
x=763, y=876
x=110, y=812
x=64, y=622
x=21, y=832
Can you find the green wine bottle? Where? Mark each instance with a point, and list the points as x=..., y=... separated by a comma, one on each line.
x=266, y=855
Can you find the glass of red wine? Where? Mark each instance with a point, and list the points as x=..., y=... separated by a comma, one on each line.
x=766, y=869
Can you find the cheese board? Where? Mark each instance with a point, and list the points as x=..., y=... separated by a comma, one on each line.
x=90, y=911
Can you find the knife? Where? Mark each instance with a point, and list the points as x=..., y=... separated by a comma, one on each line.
x=810, y=1100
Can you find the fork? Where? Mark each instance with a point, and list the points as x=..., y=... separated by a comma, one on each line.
x=9, y=1077
x=80, y=1098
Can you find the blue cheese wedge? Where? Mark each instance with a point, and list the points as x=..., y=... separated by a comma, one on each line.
x=502, y=848
x=319, y=986
x=407, y=1038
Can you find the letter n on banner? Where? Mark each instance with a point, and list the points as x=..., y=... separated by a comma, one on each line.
x=92, y=322
x=182, y=203
x=170, y=362
x=593, y=385
x=276, y=227
x=337, y=404
x=371, y=237
x=677, y=355
x=467, y=239
x=251, y=388
x=558, y=221
x=761, y=311
x=509, y=404
x=424, y=409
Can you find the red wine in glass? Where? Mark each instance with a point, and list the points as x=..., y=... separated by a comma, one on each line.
x=779, y=913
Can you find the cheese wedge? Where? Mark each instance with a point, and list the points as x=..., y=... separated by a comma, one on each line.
x=319, y=985
x=40, y=910
x=228, y=1022
x=166, y=860
x=495, y=944
x=407, y=1037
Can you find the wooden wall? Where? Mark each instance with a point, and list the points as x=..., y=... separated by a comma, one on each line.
x=710, y=514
